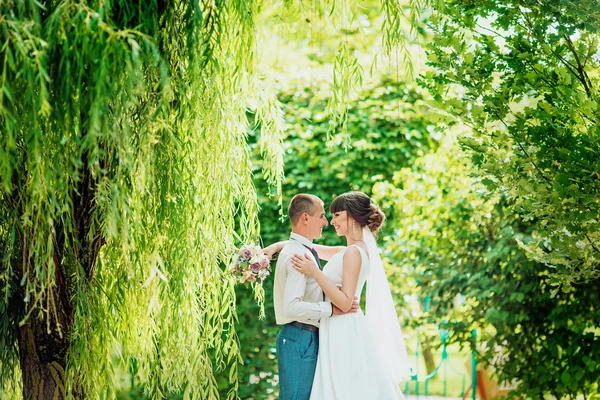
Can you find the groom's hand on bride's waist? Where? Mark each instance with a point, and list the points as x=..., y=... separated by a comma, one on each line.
x=353, y=309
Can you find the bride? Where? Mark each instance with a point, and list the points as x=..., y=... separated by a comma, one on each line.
x=360, y=357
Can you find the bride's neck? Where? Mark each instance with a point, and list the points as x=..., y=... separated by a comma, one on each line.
x=354, y=239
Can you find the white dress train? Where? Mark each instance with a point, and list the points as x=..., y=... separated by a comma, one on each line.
x=348, y=367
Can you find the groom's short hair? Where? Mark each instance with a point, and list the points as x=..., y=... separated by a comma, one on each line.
x=302, y=203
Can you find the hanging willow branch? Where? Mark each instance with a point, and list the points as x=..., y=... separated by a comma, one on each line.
x=124, y=158
x=124, y=178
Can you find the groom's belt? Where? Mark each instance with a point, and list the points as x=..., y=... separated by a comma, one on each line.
x=308, y=327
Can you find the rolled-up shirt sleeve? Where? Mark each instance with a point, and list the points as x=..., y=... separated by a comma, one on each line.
x=294, y=306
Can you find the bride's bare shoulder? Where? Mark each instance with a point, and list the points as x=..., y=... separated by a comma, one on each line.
x=352, y=252
x=355, y=250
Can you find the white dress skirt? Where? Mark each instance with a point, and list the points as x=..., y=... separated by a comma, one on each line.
x=348, y=367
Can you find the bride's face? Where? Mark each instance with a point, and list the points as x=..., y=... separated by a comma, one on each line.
x=340, y=222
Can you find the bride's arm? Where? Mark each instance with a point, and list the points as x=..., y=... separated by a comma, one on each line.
x=340, y=298
x=274, y=248
x=326, y=252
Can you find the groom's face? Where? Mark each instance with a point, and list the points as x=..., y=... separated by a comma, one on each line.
x=317, y=222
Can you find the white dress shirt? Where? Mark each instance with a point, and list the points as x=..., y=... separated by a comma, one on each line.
x=297, y=297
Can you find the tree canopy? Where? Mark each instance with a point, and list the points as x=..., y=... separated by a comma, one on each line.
x=458, y=243
x=524, y=77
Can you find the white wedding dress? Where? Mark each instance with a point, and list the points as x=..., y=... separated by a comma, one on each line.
x=348, y=366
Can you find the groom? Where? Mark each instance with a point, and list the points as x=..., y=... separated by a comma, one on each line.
x=299, y=302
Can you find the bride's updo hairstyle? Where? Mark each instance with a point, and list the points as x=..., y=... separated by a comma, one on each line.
x=360, y=207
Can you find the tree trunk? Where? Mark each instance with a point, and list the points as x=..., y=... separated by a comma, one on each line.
x=428, y=355
x=42, y=357
x=43, y=344
x=43, y=347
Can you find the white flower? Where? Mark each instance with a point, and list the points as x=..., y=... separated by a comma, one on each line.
x=263, y=274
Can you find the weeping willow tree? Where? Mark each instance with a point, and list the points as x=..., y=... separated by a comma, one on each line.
x=125, y=180
x=123, y=167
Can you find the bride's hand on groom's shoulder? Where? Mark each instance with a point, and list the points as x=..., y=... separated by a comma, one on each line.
x=305, y=264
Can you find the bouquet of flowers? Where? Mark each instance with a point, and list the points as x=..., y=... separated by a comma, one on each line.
x=250, y=264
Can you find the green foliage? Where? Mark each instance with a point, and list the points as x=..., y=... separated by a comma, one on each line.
x=524, y=77
x=394, y=28
x=460, y=244
x=387, y=128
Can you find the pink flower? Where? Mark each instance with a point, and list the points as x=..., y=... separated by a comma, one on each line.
x=245, y=254
x=255, y=267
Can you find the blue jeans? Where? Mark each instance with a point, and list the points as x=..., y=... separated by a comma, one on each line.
x=297, y=351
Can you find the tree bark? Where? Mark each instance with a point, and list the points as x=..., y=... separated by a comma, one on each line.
x=43, y=347
x=428, y=356
x=45, y=339
x=42, y=364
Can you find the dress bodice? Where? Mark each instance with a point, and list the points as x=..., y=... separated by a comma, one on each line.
x=334, y=268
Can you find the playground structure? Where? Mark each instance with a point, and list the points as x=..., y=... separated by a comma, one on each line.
x=441, y=367
x=485, y=387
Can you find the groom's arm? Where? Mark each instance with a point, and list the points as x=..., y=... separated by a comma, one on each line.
x=294, y=304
